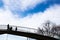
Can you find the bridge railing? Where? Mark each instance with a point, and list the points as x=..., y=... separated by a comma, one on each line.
x=19, y=28
x=3, y=27
x=24, y=29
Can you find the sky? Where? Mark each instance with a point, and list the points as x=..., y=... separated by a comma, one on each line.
x=29, y=13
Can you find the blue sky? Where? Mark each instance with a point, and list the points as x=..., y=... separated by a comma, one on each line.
x=40, y=7
x=29, y=13
x=1, y=3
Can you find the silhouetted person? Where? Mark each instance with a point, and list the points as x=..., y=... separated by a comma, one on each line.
x=16, y=29
x=8, y=27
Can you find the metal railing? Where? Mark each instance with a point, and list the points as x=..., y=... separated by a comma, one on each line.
x=23, y=29
x=19, y=28
x=3, y=27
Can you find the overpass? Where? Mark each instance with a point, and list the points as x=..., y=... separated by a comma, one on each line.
x=23, y=31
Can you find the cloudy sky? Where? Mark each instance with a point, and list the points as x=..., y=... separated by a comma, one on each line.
x=29, y=13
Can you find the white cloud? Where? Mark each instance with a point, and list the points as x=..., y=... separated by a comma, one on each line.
x=33, y=21
x=52, y=14
x=6, y=17
x=26, y=4
x=22, y=4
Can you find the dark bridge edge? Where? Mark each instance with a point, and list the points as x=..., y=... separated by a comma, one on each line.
x=30, y=35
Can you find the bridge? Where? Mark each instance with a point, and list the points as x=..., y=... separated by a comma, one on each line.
x=23, y=31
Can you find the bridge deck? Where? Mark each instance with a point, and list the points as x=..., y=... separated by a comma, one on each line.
x=26, y=34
